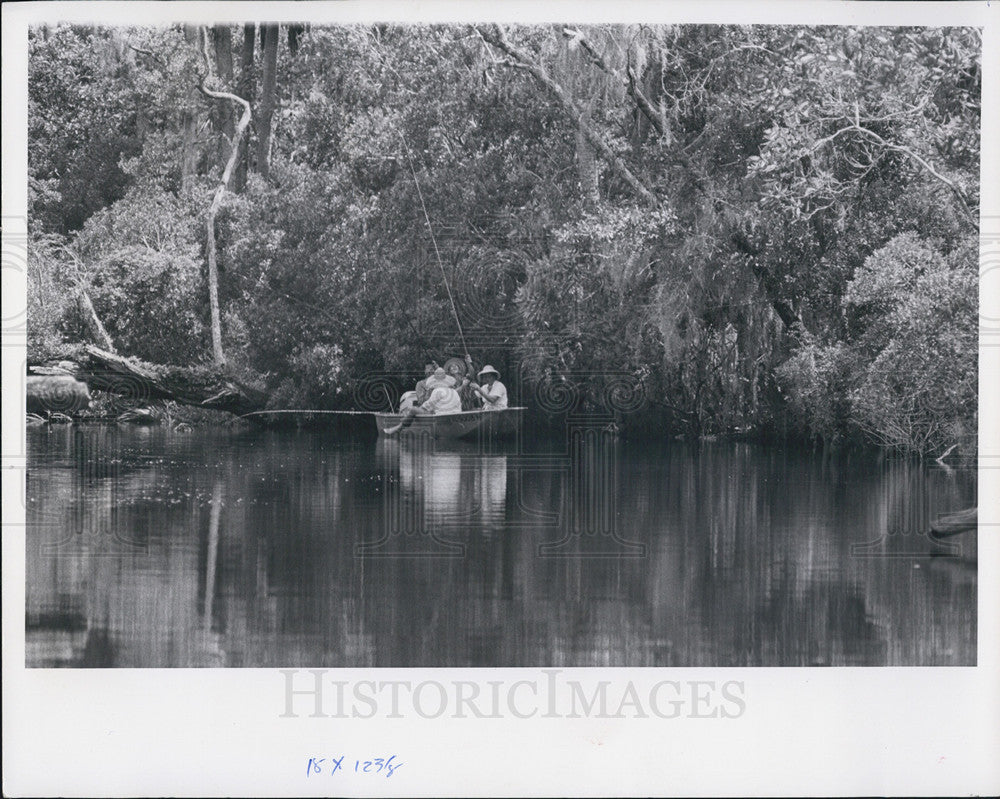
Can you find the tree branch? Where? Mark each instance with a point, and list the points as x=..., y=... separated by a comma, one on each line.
x=217, y=95
x=149, y=53
x=629, y=80
x=899, y=148
x=926, y=165
x=495, y=36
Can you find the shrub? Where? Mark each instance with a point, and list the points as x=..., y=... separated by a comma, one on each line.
x=918, y=391
x=144, y=265
x=815, y=383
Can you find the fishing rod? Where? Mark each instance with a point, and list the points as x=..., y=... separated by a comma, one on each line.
x=437, y=253
x=302, y=410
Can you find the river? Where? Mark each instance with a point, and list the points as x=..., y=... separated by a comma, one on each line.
x=148, y=547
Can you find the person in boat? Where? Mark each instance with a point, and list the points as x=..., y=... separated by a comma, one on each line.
x=443, y=399
x=463, y=385
x=422, y=392
x=408, y=400
x=492, y=392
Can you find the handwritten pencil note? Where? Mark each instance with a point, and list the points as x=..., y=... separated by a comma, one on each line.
x=330, y=766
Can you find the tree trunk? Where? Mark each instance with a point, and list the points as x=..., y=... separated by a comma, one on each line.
x=222, y=116
x=586, y=164
x=188, y=159
x=189, y=126
x=246, y=90
x=93, y=322
x=218, y=354
x=294, y=32
x=141, y=381
x=269, y=42
x=222, y=38
x=213, y=271
x=587, y=170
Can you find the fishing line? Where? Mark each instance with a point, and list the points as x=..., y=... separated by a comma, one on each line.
x=437, y=253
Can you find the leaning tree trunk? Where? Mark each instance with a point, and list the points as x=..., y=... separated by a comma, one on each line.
x=495, y=36
x=213, y=269
x=269, y=41
x=92, y=321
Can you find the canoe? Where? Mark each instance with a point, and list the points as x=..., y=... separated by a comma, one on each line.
x=467, y=424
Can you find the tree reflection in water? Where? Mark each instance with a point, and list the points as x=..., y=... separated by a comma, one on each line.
x=152, y=549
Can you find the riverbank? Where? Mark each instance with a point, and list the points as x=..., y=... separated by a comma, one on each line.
x=106, y=408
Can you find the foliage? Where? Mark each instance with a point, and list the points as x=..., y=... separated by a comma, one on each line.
x=816, y=382
x=50, y=300
x=144, y=272
x=776, y=231
x=918, y=388
x=79, y=125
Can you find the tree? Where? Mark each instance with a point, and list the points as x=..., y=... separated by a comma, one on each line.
x=269, y=47
x=234, y=150
x=913, y=316
x=247, y=90
x=693, y=210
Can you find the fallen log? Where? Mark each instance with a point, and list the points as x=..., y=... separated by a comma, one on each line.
x=55, y=393
x=139, y=381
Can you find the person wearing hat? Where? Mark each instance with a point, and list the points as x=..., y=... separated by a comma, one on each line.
x=421, y=389
x=408, y=400
x=442, y=399
x=457, y=370
x=494, y=393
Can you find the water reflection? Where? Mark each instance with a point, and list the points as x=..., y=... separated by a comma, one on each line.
x=432, y=493
x=151, y=548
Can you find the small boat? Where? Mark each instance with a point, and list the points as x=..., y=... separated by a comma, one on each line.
x=467, y=424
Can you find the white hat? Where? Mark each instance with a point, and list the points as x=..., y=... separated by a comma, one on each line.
x=488, y=370
x=439, y=378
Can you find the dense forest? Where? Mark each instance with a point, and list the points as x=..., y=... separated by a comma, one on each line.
x=755, y=230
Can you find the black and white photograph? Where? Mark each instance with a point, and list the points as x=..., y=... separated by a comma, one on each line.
x=578, y=369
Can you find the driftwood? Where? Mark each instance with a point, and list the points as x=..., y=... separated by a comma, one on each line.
x=136, y=380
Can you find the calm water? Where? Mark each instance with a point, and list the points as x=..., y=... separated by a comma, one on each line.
x=149, y=548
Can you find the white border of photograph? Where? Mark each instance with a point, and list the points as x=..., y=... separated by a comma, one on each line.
x=191, y=732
